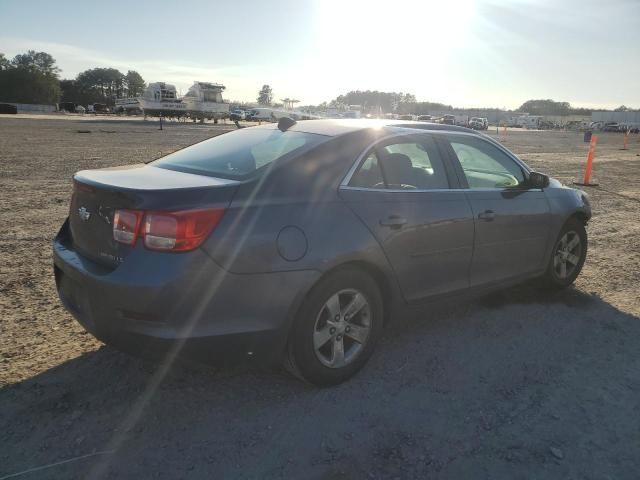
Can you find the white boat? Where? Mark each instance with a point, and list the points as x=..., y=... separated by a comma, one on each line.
x=204, y=101
x=161, y=98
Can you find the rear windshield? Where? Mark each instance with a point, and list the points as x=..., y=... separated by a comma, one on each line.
x=239, y=154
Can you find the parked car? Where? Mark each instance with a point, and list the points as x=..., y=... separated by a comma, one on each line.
x=551, y=125
x=97, y=108
x=449, y=119
x=67, y=107
x=302, y=241
x=424, y=118
x=479, y=123
x=249, y=115
x=630, y=128
x=610, y=127
x=8, y=109
x=237, y=115
x=461, y=120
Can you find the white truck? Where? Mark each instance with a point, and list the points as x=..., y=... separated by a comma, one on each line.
x=479, y=123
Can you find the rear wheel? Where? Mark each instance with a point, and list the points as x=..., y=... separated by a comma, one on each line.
x=336, y=328
x=568, y=256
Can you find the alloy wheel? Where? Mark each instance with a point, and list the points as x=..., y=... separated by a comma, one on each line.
x=342, y=328
x=567, y=255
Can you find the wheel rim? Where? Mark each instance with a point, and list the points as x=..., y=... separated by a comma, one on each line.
x=567, y=255
x=342, y=328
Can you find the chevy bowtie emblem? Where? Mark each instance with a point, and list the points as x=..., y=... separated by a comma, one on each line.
x=84, y=214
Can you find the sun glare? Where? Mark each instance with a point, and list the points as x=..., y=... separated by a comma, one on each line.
x=375, y=23
x=375, y=44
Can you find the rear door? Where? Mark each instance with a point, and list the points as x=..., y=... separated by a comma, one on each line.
x=512, y=221
x=406, y=194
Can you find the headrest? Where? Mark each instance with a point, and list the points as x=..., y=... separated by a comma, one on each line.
x=397, y=160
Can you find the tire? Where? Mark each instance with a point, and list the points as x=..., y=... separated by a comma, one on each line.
x=340, y=293
x=559, y=277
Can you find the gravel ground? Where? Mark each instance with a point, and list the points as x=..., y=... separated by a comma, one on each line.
x=515, y=385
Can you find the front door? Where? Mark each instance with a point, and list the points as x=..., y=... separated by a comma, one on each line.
x=512, y=221
x=402, y=191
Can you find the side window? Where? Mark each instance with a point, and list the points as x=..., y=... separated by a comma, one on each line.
x=484, y=165
x=369, y=174
x=413, y=165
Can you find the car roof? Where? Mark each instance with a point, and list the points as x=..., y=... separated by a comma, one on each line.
x=337, y=127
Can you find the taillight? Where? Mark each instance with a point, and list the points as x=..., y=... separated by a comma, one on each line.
x=160, y=231
x=126, y=225
x=166, y=231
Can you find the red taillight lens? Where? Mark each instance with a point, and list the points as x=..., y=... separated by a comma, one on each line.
x=166, y=231
x=126, y=225
x=179, y=231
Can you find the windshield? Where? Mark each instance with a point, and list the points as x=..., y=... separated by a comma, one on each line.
x=238, y=154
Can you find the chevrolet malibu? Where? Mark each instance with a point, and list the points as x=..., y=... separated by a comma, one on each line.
x=297, y=242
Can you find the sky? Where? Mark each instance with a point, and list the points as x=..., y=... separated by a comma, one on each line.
x=466, y=53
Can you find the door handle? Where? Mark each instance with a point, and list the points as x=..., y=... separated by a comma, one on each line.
x=487, y=215
x=393, y=221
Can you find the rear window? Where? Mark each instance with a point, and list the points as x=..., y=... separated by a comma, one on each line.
x=239, y=154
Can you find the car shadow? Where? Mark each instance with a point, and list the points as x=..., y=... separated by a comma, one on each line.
x=489, y=385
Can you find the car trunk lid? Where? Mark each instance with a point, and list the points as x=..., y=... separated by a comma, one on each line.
x=97, y=194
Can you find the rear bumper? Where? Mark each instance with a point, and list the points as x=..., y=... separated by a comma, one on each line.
x=157, y=301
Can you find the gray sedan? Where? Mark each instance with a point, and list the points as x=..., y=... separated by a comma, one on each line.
x=300, y=241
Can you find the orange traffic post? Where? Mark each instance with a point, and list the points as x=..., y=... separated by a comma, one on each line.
x=587, y=172
x=626, y=140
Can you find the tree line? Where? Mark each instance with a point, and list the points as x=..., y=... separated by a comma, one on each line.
x=33, y=77
x=551, y=107
x=373, y=101
x=102, y=85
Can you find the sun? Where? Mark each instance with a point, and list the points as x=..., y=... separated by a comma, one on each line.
x=384, y=41
x=378, y=22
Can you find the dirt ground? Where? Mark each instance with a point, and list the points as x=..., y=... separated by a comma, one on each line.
x=517, y=385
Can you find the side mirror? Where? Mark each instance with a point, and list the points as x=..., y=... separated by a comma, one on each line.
x=538, y=180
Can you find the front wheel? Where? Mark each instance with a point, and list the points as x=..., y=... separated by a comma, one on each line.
x=336, y=328
x=568, y=256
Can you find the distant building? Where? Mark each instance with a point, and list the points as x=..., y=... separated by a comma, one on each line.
x=629, y=119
